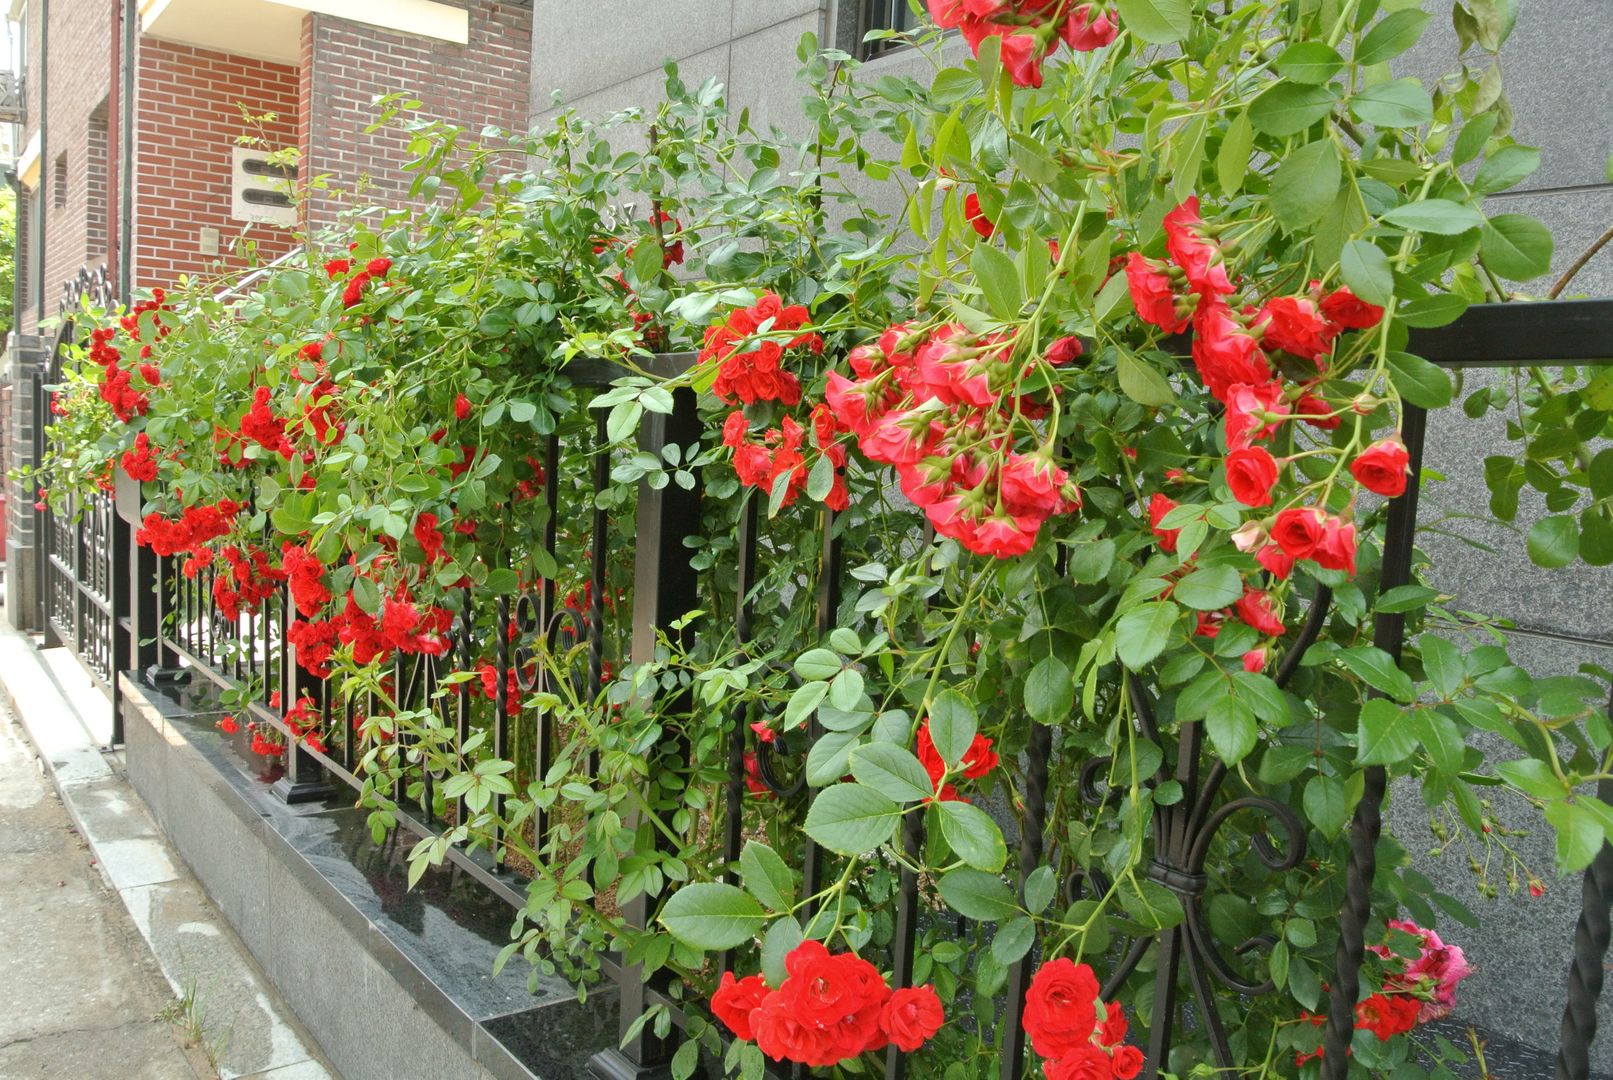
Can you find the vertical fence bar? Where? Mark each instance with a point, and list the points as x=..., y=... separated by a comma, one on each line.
x=304, y=781
x=734, y=808
x=1586, y=973
x=466, y=646
x=665, y=588
x=501, y=718
x=1389, y=632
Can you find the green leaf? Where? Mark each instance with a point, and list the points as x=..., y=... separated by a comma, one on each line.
x=1306, y=184
x=1438, y=216
x=976, y=894
x=1289, y=108
x=998, y=279
x=1232, y=160
x=1516, y=246
x=1418, y=381
x=846, y=690
x=780, y=940
x=973, y=836
x=1143, y=632
x=712, y=915
x=1232, y=729
x=891, y=771
x=952, y=725
x=1209, y=589
x=1494, y=20
x=1386, y=735
x=1399, y=104
x=1506, y=168
x=1039, y=889
x=1365, y=270
x=851, y=819
x=1554, y=542
x=766, y=876
x=815, y=664
x=1013, y=940
x=1378, y=670
x=1475, y=133
x=1580, y=835
x=1392, y=36
x=1325, y=805
x=820, y=481
x=1435, y=309
x=1049, y=691
x=1309, y=62
x=1141, y=382
x=1442, y=663
x=1158, y=22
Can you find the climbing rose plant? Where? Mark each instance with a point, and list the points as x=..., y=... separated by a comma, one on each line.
x=1100, y=392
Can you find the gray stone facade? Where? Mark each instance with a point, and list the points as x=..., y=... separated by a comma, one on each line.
x=607, y=55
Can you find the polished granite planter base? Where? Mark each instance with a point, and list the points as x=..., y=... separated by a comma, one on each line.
x=394, y=983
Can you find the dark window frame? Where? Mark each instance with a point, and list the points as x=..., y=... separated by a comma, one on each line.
x=880, y=15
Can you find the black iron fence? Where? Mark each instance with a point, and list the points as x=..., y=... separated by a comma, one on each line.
x=173, y=623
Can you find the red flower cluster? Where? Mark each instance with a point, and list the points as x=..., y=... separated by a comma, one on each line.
x=977, y=761
x=249, y=583
x=1031, y=30
x=139, y=462
x=829, y=1008
x=756, y=373
x=116, y=385
x=1082, y=1037
x=957, y=463
x=353, y=291
x=195, y=527
x=305, y=575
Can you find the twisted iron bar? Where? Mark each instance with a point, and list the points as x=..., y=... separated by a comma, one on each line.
x=1585, y=975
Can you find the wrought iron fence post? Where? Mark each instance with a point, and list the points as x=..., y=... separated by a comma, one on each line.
x=1388, y=634
x=304, y=780
x=664, y=589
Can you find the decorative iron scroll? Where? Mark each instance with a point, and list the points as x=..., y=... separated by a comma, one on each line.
x=92, y=285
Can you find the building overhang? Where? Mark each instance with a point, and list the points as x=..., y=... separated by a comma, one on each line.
x=272, y=29
x=28, y=164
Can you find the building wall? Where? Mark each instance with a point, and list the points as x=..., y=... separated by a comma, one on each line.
x=71, y=192
x=347, y=65
x=189, y=104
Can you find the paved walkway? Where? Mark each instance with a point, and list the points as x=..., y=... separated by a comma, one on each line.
x=81, y=995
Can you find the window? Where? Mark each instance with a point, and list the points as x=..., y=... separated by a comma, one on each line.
x=882, y=15
x=58, y=184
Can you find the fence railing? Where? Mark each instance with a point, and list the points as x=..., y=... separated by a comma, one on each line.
x=174, y=624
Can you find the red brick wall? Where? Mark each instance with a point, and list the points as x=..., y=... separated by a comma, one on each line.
x=188, y=118
x=75, y=134
x=346, y=65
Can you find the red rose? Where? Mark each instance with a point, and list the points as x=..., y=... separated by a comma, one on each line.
x=1347, y=311
x=911, y=1016
x=1064, y=350
x=1254, y=661
x=1253, y=412
x=1251, y=474
x=1153, y=294
x=1127, y=1062
x=1083, y=1063
x=1225, y=353
x=1336, y=551
x=839, y=995
x=977, y=217
x=1316, y=412
x=378, y=267
x=1061, y=1008
x=1260, y=611
x=1381, y=467
x=462, y=407
x=784, y=1036
x=1112, y=1032
x=1199, y=258
x=335, y=268
x=354, y=292
x=1298, y=530
x=735, y=1000
x=1294, y=325
x=1158, y=506
x=1090, y=26
x=1387, y=1015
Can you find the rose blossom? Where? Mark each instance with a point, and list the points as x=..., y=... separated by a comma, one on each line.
x=1153, y=295
x=1225, y=353
x=1298, y=531
x=1336, y=551
x=1082, y=1063
x=1259, y=610
x=1199, y=258
x=976, y=217
x=1158, y=506
x=1347, y=311
x=1381, y=467
x=911, y=1016
x=1251, y=474
x=1061, y=1008
x=735, y=1000
x=1250, y=412
x=1294, y=325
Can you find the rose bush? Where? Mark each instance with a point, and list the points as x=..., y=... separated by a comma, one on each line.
x=1096, y=437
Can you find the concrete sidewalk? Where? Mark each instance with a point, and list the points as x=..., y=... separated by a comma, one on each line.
x=102, y=926
x=81, y=995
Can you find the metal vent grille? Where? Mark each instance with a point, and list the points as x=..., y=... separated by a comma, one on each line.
x=261, y=190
